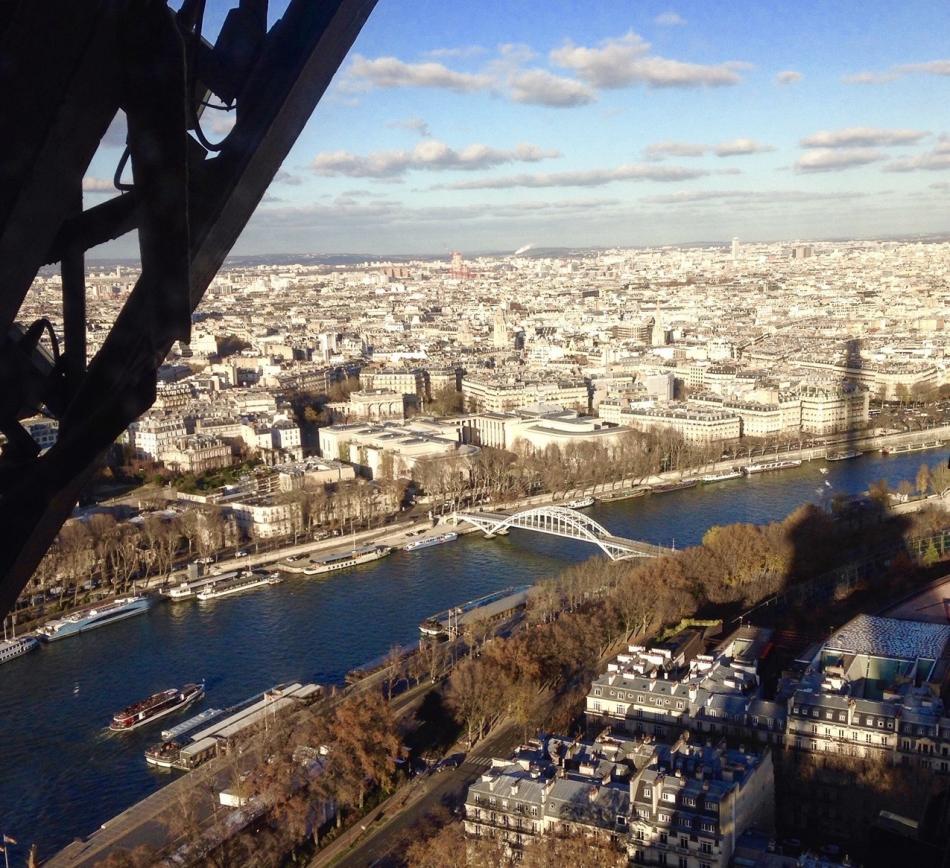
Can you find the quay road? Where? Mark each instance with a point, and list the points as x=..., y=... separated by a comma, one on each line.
x=383, y=829
x=147, y=822
x=395, y=534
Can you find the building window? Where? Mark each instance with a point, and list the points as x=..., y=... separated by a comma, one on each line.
x=664, y=837
x=597, y=691
x=647, y=791
x=705, y=847
x=595, y=706
x=669, y=797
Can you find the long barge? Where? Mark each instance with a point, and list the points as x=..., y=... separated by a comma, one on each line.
x=314, y=564
x=247, y=581
x=205, y=743
x=157, y=706
x=767, y=466
x=92, y=619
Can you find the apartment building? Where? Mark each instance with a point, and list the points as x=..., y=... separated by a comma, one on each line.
x=696, y=424
x=198, y=454
x=153, y=435
x=833, y=409
x=503, y=396
x=674, y=804
x=691, y=804
x=264, y=517
x=874, y=689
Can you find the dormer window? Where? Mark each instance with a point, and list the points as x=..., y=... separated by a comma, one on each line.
x=647, y=791
x=669, y=797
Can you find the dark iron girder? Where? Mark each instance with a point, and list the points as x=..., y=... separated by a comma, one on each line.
x=299, y=57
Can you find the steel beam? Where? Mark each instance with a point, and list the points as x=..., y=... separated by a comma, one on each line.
x=301, y=54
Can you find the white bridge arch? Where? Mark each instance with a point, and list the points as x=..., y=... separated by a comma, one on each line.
x=564, y=522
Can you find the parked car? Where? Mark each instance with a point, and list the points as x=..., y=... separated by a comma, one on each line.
x=241, y=553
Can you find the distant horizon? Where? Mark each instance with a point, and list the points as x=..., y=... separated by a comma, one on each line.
x=542, y=251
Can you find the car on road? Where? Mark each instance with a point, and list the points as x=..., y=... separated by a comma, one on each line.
x=205, y=560
x=241, y=553
x=449, y=762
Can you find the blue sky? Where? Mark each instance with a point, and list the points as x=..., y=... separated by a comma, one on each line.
x=486, y=126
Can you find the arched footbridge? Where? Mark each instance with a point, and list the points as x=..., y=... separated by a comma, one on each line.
x=564, y=522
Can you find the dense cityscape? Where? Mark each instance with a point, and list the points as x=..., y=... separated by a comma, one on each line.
x=404, y=402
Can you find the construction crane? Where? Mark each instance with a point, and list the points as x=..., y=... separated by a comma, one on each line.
x=68, y=66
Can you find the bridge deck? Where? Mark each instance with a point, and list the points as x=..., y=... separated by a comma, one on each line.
x=530, y=519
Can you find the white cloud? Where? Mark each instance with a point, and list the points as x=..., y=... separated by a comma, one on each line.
x=427, y=154
x=693, y=196
x=788, y=76
x=288, y=178
x=928, y=67
x=582, y=177
x=935, y=160
x=943, y=186
x=836, y=159
x=732, y=148
x=669, y=148
x=459, y=51
x=537, y=87
x=390, y=72
x=862, y=137
x=868, y=77
x=626, y=60
x=413, y=124
x=91, y=184
x=669, y=19
x=741, y=147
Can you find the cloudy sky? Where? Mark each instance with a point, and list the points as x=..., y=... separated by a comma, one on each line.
x=489, y=125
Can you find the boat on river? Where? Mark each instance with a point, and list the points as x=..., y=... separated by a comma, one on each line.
x=341, y=560
x=722, y=476
x=246, y=581
x=910, y=447
x=665, y=487
x=91, y=619
x=10, y=649
x=767, y=466
x=451, y=536
x=157, y=706
x=580, y=503
x=844, y=456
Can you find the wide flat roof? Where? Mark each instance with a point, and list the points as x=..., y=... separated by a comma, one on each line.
x=890, y=637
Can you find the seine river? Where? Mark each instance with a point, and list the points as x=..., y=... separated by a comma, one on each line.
x=61, y=775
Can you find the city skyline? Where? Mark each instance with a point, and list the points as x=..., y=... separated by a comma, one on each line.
x=452, y=128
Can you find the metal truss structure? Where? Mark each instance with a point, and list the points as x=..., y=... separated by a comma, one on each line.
x=564, y=522
x=67, y=68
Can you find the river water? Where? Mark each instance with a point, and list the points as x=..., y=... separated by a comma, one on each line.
x=62, y=775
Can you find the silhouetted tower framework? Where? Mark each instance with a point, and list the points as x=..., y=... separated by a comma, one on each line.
x=68, y=67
